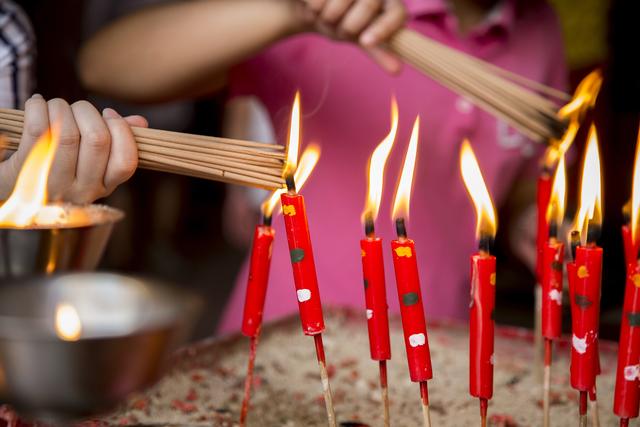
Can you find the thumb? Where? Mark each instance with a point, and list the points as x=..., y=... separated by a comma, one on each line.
x=137, y=121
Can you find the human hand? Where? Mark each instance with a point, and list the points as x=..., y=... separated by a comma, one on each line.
x=370, y=23
x=95, y=153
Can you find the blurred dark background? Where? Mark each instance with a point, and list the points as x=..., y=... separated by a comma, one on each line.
x=173, y=228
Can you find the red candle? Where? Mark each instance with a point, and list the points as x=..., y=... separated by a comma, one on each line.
x=302, y=262
x=304, y=268
x=627, y=394
x=481, y=325
x=552, y=262
x=543, y=197
x=258, y=279
x=375, y=298
x=259, y=266
x=414, y=325
x=553, y=258
x=371, y=251
x=483, y=281
x=584, y=281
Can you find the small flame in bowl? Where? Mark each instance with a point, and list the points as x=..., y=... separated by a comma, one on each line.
x=486, y=223
x=67, y=323
x=29, y=195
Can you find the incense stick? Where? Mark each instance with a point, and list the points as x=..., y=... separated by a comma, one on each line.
x=248, y=381
x=324, y=377
x=424, y=397
x=593, y=403
x=538, y=339
x=220, y=159
x=548, y=348
x=582, y=416
x=502, y=93
x=384, y=389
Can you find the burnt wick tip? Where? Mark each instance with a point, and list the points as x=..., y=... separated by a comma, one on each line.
x=291, y=184
x=401, y=228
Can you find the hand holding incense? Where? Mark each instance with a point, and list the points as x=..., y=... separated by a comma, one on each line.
x=414, y=325
x=627, y=394
x=302, y=262
x=373, y=265
x=220, y=159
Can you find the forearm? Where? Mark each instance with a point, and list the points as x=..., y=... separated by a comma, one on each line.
x=181, y=49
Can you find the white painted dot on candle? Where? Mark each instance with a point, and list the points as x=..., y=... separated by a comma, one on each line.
x=631, y=372
x=303, y=295
x=416, y=340
x=579, y=344
x=369, y=313
x=556, y=296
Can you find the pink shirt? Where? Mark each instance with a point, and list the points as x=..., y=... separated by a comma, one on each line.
x=346, y=103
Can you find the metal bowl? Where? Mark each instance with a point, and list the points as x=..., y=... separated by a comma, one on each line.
x=62, y=247
x=129, y=327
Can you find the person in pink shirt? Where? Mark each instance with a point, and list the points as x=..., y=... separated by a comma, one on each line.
x=346, y=102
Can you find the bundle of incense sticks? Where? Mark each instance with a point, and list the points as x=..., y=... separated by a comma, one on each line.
x=506, y=95
x=233, y=161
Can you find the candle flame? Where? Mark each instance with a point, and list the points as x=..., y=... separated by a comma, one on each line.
x=590, y=207
x=293, y=142
x=403, y=192
x=557, y=149
x=68, y=324
x=584, y=96
x=635, y=193
x=29, y=195
x=377, y=162
x=486, y=223
x=307, y=163
x=555, y=210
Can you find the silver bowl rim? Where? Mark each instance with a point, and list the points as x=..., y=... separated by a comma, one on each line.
x=111, y=216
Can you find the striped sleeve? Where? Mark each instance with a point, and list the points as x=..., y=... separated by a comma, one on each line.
x=17, y=56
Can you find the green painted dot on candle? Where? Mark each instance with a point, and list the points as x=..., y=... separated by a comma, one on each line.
x=582, y=301
x=410, y=298
x=297, y=255
x=366, y=283
x=634, y=319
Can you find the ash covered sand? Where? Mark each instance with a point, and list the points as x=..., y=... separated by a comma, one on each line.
x=204, y=387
